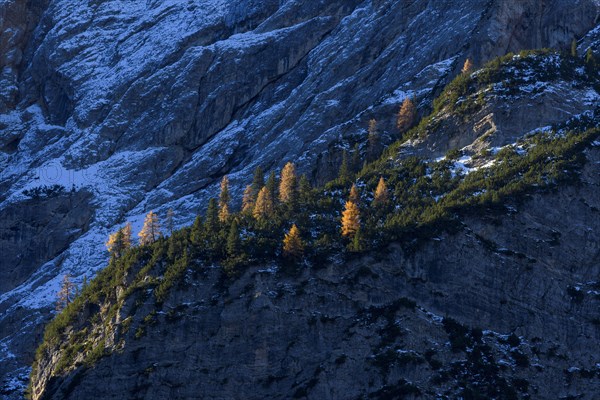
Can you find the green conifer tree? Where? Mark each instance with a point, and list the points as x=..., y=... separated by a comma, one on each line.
x=258, y=181
x=344, y=174
x=357, y=244
x=271, y=185
x=233, y=240
x=304, y=190
x=211, y=221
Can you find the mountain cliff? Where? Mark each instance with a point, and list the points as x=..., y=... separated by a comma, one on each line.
x=111, y=109
x=473, y=285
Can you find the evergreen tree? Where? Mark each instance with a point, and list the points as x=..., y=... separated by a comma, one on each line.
x=224, y=199
x=177, y=245
x=66, y=293
x=467, y=66
x=357, y=244
x=373, y=139
x=119, y=241
x=287, y=185
x=381, y=196
x=213, y=235
x=196, y=234
x=344, y=172
x=263, y=208
x=354, y=196
x=293, y=246
x=406, y=115
x=248, y=200
x=350, y=220
x=151, y=230
x=257, y=182
x=271, y=185
x=574, y=48
x=304, y=190
x=169, y=221
x=233, y=240
x=211, y=220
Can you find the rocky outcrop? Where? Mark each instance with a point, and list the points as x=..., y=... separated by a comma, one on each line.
x=143, y=122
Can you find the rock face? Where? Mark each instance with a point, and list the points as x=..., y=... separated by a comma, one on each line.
x=522, y=287
x=44, y=228
x=145, y=105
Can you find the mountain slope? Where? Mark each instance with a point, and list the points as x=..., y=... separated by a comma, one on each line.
x=479, y=287
x=94, y=99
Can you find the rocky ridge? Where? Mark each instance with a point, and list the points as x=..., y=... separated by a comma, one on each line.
x=508, y=311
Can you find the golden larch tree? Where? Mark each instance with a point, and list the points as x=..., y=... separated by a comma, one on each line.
x=293, y=246
x=169, y=221
x=350, y=219
x=248, y=200
x=66, y=293
x=264, y=204
x=287, y=184
x=406, y=115
x=354, y=196
x=381, y=195
x=127, y=234
x=467, y=66
x=119, y=241
x=151, y=230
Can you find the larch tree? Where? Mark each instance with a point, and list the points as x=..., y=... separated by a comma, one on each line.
x=127, y=235
x=151, y=230
x=293, y=246
x=248, y=200
x=119, y=241
x=406, y=115
x=354, y=196
x=574, y=48
x=169, y=221
x=264, y=205
x=467, y=66
x=381, y=196
x=350, y=220
x=224, y=199
x=66, y=293
x=287, y=184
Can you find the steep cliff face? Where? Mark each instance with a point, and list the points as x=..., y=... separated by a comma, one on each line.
x=145, y=105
